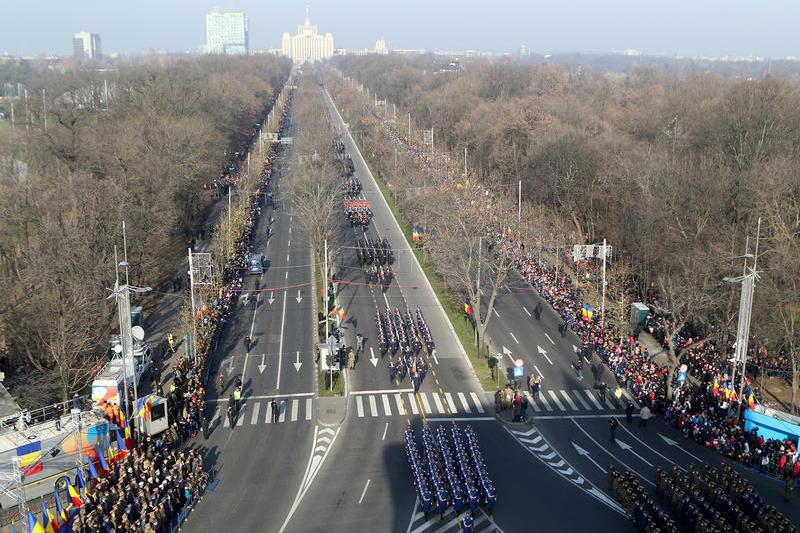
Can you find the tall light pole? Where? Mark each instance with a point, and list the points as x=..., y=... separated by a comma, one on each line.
x=748, y=281
x=519, y=202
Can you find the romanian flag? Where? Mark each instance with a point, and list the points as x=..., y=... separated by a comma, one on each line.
x=416, y=234
x=49, y=521
x=467, y=309
x=79, y=482
x=121, y=445
x=750, y=397
x=124, y=424
x=31, y=455
x=716, y=385
x=144, y=405
x=74, y=496
x=101, y=458
x=587, y=312
x=33, y=525
x=92, y=470
x=340, y=311
x=62, y=513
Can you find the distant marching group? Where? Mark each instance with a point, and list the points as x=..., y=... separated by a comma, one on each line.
x=446, y=476
x=376, y=257
x=397, y=333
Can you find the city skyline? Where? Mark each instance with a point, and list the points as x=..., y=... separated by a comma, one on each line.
x=713, y=28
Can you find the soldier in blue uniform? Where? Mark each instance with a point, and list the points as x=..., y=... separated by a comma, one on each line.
x=427, y=501
x=441, y=498
x=467, y=522
x=472, y=492
x=491, y=499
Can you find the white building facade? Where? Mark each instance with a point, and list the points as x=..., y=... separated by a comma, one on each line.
x=307, y=45
x=227, y=33
x=86, y=45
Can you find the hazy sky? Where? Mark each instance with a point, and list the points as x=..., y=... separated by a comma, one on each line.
x=687, y=27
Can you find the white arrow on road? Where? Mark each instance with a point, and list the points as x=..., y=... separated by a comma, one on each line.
x=543, y=352
x=271, y=297
x=297, y=363
x=508, y=353
x=262, y=366
x=299, y=298
x=373, y=359
x=585, y=453
x=671, y=442
x=524, y=309
x=629, y=448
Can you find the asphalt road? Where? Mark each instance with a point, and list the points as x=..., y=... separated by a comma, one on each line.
x=257, y=460
x=304, y=476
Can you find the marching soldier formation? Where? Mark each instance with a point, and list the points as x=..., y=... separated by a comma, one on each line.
x=447, y=477
x=711, y=501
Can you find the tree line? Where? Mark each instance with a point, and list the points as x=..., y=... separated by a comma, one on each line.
x=674, y=172
x=142, y=143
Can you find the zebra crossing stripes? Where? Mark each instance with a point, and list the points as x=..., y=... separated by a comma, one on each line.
x=252, y=413
x=449, y=523
x=387, y=403
x=549, y=401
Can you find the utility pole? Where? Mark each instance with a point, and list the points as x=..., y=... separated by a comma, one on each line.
x=478, y=293
x=122, y=296
x=194, y=308
x=22, y=502
x=105, y=93
x=603, y=304
x=44, y=108
x=409, y=127
x=465, y=163
x=748, y=280
x=327, y=325
x=519, y=202
x=12, y=115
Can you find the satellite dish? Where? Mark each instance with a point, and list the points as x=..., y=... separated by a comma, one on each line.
x=118, y=348
x=137, y=332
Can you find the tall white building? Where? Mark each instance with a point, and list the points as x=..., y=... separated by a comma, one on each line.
x=307, y=45
x=227, y=33
x=86, y=45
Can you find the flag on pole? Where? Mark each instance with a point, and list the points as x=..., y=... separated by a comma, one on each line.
x=49, y=521
x=79, y=482
x=62, y=513
x=467, y=309
x=33, y=525
x=92, y=470
x=31, y=458
x=73, y=495
x=716, y=385
x=102, y=460
x=587, y=312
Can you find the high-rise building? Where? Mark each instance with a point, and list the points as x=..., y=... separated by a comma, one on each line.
x=380, y=47
x=227, y=33
x=307, y=45
x=86, y=45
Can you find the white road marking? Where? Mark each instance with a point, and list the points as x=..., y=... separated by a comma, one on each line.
x=280, y=344
x=399, y=403
x=477, y=401
x=287, y=275
x=268, y=397
x=240, y=420
x=385, y=429
x=364, y=492
x=592, y=399
x=308, y=408
x=513, y=337
x=386, y=407
x=438, y=403
x=555, y=399
x=384, y=391
x=282, y=417
x=577, y=394
x=569, y=400
x=449, y=398
x=538, y=371
x=294, y=410
x=413, y=402
x=613, y=456
x=461, y=419
x=464, y=403
x=543, y=399
x=425, y=404
x=496, y=313
x=524, y=309
x=373, y=406
x=287, y=259
x=256, y=408
x=360, y=406
x=551, y=340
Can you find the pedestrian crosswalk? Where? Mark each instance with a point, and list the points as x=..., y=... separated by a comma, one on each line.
x=449, y=523
x=548, y=401
x=255, y=412
x=388, y=403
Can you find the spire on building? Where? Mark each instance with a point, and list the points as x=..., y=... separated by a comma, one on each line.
x=308, y=16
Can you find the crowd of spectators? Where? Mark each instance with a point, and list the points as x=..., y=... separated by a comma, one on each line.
x=145, y=492
x=703, y=406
